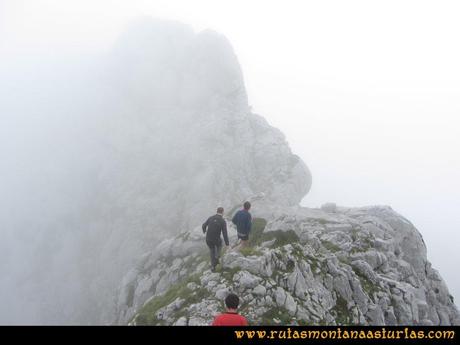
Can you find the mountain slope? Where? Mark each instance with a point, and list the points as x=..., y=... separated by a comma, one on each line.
x=179, y=138
x=306, y=266
x=330, y=266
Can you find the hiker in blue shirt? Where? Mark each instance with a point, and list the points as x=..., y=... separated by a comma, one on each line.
x=242, y=220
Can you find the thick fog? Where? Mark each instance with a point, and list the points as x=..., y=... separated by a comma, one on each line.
x=367, y=95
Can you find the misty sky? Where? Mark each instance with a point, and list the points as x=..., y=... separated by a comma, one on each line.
x=367, y=93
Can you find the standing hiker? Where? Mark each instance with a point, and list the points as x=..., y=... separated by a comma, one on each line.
x=242, y=220
x=212, y=228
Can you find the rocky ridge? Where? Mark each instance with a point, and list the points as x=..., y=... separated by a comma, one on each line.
x=332, y=266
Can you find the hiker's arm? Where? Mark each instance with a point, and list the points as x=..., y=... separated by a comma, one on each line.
x=224, y=232
x=205, y=225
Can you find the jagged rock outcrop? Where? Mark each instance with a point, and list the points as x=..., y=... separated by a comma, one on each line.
x=338, y=265
x=191, y=133
x=332, y=265
x=181, y=138
x=124, y=149
x=173, y=137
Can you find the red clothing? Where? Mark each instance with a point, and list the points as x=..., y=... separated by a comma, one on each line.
x=230, y=319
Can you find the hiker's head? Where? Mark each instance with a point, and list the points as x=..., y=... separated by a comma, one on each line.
x=232, y=301
x=220, y=210
x=247, y=205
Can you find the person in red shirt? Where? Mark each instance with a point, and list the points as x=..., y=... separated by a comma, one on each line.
x=231, y=317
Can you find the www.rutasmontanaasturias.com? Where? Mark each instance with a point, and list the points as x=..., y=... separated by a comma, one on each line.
x=339, y=333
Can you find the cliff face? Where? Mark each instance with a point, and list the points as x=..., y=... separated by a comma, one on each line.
x=201, y=147
x=122, y=151
x=331, y=266
x=184, y=138
x=178, y=139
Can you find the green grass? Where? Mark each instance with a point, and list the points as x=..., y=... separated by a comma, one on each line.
x=314, y=263
x=192, y=263
x=257, y=230
x=276, y=313
x=369, y=242
x=257, y=236
x=354, y=234
x=331, y=246
x=341, y=309
x=368, y=286
x=290, y=265
x=147, y=314
x=321, y=322
x=281, y=237
x=229, y=273
x=248, y=251
x=297, y=251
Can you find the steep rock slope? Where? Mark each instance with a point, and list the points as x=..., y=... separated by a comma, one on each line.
x=178, y=139
x=181, y=138
x=363, y=266
x=156, y=135
x=123, y=150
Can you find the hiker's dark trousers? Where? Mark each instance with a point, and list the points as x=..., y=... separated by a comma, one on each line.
x=214, y=249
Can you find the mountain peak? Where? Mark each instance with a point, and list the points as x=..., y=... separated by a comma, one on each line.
x=167, y=64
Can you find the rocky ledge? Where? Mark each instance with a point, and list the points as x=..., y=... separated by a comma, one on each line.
x=328, y=266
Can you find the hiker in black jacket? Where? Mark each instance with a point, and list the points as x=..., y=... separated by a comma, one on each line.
x=212, y=228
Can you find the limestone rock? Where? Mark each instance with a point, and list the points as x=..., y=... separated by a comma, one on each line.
x=340, y=273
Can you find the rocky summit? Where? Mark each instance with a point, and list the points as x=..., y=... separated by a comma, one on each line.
x=204, y=148
x=328, y=266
